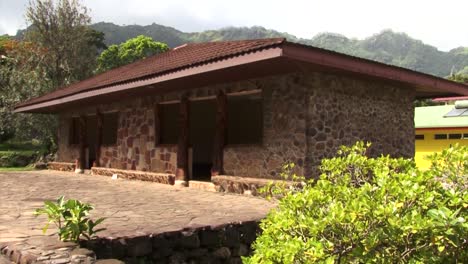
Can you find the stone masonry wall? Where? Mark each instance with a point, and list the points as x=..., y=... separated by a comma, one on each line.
x=135, y=148
x=343, y=110
x=65, y=151
x=307, y=116
x=226, y=243
x=284, y=121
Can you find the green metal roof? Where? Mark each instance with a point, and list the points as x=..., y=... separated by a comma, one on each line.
x=433, y=116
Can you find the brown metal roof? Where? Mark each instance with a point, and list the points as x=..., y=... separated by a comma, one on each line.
x=211, y=58
x=185, y=56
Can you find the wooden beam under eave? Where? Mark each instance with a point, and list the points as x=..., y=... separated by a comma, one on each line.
x=157, y=124
x=99, y=121
x=82, y=138
x=220, y=134
x=183, y=145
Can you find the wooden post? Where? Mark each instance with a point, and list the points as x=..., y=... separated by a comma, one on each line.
x=182, y=148
x=220, y=134
x=82, y=161
x=157, y=125
x=97, y=162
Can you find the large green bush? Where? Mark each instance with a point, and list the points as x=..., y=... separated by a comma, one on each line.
x=372, y=210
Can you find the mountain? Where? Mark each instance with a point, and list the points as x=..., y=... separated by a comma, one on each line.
x=387, y=46
x=397, y=49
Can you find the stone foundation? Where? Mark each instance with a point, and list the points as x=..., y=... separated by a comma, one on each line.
x=226, y=243
x=163, y=178
x=61, y=166
x=219, y=244
x=243, y=185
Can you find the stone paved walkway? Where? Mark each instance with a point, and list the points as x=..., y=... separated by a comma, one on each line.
x=132, y=208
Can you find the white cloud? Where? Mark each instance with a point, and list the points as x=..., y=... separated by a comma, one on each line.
x=436, y=22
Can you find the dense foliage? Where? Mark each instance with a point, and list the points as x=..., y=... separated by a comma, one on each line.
x=58, y=48
x=461, y=76
x=387, y=46
x=131, y=50
x=372, y=210
x=23, y=75
x=71, y=218
x=61, y=27
x=19, y=154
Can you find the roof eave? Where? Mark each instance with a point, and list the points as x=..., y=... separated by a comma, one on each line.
x=374, y=69
x=262, y=55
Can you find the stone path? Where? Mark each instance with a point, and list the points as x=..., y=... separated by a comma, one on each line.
x=4, y=260
x=132, y=208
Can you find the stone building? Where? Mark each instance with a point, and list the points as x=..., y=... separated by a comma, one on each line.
x=237, y=108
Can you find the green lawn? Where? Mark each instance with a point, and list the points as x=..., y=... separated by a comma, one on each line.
x=27, y=168
x=14, y=155
x=20, y=146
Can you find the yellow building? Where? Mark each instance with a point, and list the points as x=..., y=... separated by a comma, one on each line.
x=439, y=127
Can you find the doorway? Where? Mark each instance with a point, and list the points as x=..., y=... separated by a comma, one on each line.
x=202, y=132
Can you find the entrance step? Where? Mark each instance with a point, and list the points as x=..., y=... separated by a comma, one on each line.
x=202, y=185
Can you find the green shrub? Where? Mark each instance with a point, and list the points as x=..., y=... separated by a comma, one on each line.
x=372, y=210
x=17, y=158
x=71, y=218
x=20, y=154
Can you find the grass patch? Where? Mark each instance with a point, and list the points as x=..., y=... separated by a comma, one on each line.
x=6, y=169
x=20, y=146
x=22, y=152
x=16, y=155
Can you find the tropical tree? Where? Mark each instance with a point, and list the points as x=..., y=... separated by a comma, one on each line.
x=58, y=49
x=23, y=74
x=62, y=28
x=3, y=40
x=461, y=76
x=133, y=49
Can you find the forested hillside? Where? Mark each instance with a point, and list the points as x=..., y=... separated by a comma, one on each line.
x=387, y=46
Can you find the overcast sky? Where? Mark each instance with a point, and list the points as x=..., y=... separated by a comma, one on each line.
x=441, y=23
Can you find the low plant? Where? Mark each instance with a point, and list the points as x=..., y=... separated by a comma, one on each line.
x=371, y=210
x=291, y=183
x=71, y=218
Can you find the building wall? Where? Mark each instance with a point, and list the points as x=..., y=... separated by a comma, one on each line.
x=429, y=145
x=306, y=118
x=135, y=148
x=284, y=125
x=65, y=151
x=343, y=110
